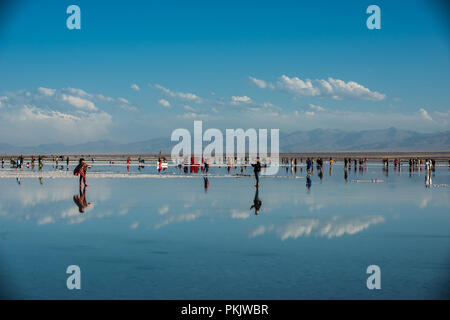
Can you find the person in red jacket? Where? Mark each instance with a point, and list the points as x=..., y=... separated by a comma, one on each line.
x=81, y=170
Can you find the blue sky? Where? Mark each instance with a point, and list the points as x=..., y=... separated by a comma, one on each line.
x=293, y=65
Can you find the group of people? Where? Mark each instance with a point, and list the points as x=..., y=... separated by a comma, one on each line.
x=19, y=162
x=360, y=161
x=195, y=166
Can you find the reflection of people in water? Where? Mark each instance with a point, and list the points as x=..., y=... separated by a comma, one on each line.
x=206, y=184
x=80, y=200
x=386, y=171
x=428, y=180
x=41, y=181
x=308, y=181
x=256, y=202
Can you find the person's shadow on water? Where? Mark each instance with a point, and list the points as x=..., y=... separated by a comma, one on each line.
x=80, y=200
x=256, y=202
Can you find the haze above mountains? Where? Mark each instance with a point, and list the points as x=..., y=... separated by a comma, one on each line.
x=316, y=140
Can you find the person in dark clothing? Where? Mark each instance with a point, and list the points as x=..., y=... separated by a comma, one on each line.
x=308, y=164
x=256, y=202
x=257, y=169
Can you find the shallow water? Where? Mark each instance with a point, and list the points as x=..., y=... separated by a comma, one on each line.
x=156, y=238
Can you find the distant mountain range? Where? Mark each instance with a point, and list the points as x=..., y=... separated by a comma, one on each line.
x=391, y=139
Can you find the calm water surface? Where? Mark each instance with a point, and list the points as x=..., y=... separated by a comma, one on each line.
x=187, y=238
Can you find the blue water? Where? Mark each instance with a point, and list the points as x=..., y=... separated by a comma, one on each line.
x=157, y=238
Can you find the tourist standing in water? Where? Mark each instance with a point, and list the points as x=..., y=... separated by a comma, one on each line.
x=257, y=170
x=81, y=170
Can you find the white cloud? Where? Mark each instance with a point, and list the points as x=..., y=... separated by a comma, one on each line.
x=425, y=114
x=188, y=108
x=189, y=115
x=47, y=91
x=2, y=98
x=316, y=107
x=261, y=83
x=331, y=88
x=126, y=105
x=30, y=118
x=102, y=97
x=79, y=92
x=179, y=95
x=78, y=102
x=135, y=87
x=164, y=103
x=240, y=99
x=123, y=100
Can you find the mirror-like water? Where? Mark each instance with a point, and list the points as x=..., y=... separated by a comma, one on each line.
x=191, y=238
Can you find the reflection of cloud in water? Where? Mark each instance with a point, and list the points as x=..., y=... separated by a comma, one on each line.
x=53, y=203
x=45, y=220
x=239, y=214
x=316, y=207
x=72, y=215
x=261, y=230
x=134, y=225
x=38, y=196
x=340, y=197
x=425, y=201
x=333, y=227
x=183, y=217
x=163, y=209
x=32, y=195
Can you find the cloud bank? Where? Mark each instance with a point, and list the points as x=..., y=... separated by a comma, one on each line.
x=324, y=88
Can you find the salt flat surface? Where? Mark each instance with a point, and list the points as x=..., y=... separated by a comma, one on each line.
x=144, y=234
